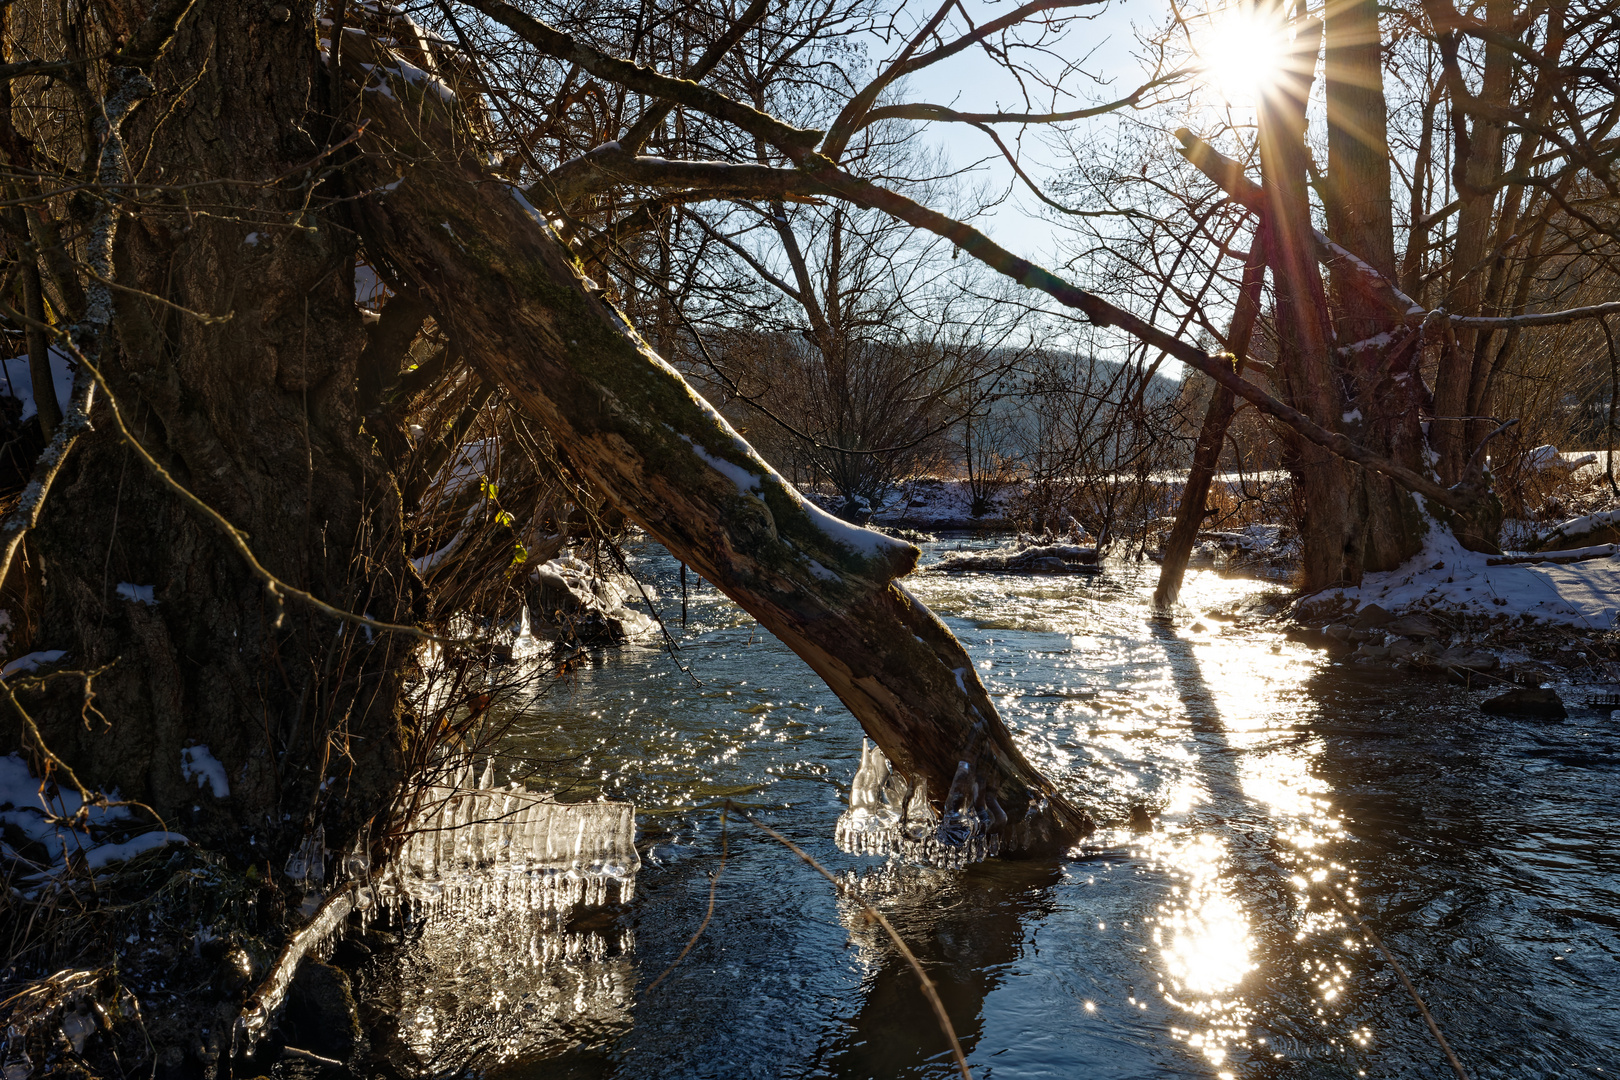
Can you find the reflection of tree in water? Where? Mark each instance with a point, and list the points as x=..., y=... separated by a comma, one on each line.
x=965, y=928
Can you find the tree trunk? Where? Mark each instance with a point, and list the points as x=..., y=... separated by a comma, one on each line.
x=511, y=296
x=1207, y=454
x=1377, y=355
x=1478, y=160
x=255, y=413
x=1330, y=533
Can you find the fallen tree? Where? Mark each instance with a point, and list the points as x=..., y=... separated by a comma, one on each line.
x=475, y=250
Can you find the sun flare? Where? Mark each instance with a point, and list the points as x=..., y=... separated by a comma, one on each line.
x=1240, y=52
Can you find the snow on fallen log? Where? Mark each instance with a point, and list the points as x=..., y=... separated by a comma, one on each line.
x=1571, y=555
x=1033, y=559
x=1546, y=458
x=1583, y=590
x=1582, y=528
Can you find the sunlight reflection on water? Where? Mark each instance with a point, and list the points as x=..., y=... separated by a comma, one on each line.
x=1208, y=946
x=1170, y=697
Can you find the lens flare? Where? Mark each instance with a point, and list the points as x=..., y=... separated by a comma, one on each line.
x=1240, y=52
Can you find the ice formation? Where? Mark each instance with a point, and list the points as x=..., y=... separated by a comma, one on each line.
x=489, y=876
x=888, y=816
x=514, y=848
x=484, y=989
x=496, y=973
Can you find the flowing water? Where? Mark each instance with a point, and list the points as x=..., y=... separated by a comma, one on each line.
x=1479, y=848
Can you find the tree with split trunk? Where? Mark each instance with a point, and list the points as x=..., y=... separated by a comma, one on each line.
x=1491, y=121
x=219, y=533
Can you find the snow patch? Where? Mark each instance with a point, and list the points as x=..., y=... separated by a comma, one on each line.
x=1581, y=526
x=199, y=764
x=31, y=662
x=747, y=481
x=1547, y=456
x=527, y=206
x=103, y=855
x=30, y=810
x=418, y=77
x=1377, y=341
x=20, y=385
x=1446, y=576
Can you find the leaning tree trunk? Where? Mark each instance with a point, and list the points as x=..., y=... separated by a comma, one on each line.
x=253, y=408
x=517, y=304
x=1212, y=435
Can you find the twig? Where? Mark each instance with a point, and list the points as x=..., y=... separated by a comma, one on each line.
x=1338, y=901
x=273, y=585
x=85, y=797
x=669, y=639
x=714, y=882
x=877, y=916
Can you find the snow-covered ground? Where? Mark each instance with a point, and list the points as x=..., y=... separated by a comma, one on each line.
x=931, y=503
x=40, y=819
x=1446, y=576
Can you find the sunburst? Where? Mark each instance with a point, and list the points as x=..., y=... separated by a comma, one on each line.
x=1240, y=52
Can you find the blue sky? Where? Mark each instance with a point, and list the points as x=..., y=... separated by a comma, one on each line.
x=972, y=83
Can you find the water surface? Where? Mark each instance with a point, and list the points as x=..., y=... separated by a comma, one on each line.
x=1478, y=847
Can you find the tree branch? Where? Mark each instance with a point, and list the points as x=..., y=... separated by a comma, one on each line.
x=561, y=46
x=637, y=136
x=926, y=112
x=1102, y=313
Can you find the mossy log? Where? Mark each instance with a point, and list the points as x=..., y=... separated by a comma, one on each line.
x=518, y=306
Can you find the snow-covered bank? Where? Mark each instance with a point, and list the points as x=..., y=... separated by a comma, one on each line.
x=1445, y=576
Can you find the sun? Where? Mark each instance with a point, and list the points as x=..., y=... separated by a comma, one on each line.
x=1239, y=52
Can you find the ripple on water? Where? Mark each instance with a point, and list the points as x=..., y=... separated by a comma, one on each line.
x=1478, y=847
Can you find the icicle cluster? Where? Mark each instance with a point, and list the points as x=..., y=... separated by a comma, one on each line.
x=888, y=816
x=482, y=989
x=513, y=849
x=503, y=868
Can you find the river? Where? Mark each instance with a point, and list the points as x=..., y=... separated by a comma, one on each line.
x=1481, y=849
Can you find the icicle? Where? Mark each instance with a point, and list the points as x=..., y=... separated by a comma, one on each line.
x=887, y=816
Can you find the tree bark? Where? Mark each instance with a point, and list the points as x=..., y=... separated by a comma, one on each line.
x=1378, y=357
x=1330, y=536
x=256, y=415
x=1478, y=160
x=515, y=301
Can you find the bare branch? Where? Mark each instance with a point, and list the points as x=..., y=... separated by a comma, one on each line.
x=637, y=136
x=561, y=46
